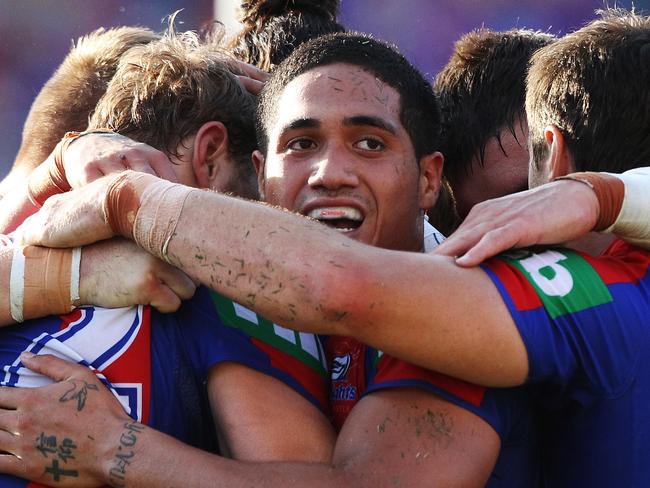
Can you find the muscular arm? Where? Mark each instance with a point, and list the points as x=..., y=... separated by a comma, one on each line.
x=260, y=418
x=405, y=437
x=303, y=275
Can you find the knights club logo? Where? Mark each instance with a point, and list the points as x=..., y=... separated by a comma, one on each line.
x=340, y=366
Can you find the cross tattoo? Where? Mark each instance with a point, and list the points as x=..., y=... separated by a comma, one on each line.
x=57, y=472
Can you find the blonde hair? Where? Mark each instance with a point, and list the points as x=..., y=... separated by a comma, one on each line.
x=68, y=98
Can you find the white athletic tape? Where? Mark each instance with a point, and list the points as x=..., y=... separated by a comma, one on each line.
x=17, y=284
x=633, y=221
x=75, y=267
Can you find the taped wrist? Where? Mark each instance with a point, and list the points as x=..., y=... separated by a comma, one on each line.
x=49, y=178
x=632, y=222
x=146, y=209
x=609, y=191
x=43, y=281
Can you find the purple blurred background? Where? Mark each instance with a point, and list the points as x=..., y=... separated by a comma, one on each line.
x=35, y=35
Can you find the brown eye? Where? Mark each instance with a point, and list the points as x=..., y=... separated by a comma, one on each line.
x=301, y=144
x=369, y=144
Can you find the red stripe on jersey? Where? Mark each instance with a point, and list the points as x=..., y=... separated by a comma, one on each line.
x=134, y=365
x=69, y=318
x=621, y=263
x=303, y=374
x=392, y=369
x=519, y=289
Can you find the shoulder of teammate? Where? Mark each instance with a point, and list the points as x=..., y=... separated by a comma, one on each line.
x=581, y=318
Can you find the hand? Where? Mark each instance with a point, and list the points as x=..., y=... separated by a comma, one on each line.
x=70, y=219
x=251, y=77
x=95, y=155
x=141, y=279
x=549, y=214
x=65, y=434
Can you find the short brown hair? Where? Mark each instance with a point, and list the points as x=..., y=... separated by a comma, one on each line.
x=165, y=91
x=70, y=95
x=593, y=85
x=482, y=92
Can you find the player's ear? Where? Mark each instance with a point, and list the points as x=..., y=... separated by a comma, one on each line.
x=429, y=179
x=259, y=161
x=210, y=153
x=560, y=162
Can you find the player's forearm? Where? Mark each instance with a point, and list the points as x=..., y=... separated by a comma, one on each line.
x=302, y=275
x=36, y=282
x=144, y=457
x=273, y=261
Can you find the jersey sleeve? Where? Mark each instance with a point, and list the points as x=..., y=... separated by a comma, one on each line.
x=582, y=319
x=217, y=330
x=505, y=410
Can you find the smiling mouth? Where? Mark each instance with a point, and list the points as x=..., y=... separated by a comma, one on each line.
x=343, y=219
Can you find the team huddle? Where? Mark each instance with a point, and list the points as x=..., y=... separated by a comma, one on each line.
x=223, y=260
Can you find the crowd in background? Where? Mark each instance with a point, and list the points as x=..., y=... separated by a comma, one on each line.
x=35, y=35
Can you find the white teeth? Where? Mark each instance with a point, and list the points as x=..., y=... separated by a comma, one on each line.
x=332, y=213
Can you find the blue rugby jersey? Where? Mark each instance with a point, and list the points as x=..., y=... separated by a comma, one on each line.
x=585, y=323
x=157, y=364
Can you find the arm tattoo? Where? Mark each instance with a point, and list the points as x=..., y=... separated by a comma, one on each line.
x=124, y=455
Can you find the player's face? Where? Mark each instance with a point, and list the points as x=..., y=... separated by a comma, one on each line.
x=504, y=171
x=339, y=153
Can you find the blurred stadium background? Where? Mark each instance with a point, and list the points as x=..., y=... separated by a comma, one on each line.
x=35, y=35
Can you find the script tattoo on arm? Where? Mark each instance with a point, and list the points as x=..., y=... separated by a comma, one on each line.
x=55, y=452
x=78, y=391
x=125, y=453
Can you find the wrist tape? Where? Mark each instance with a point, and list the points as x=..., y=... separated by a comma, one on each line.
x=146, y=209
x=49, y=178
x=609, y=191
x=43, y=281
x=633, y=221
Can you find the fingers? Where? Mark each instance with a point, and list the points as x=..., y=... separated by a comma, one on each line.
x=95, y=155
x=95, y=170
x=251, y=85
x=492, y=243
x=165, y=300
x=10, y=397
x=141, y=158
x=252, y=78
x=173, y=287
x=251, y=71
x=181, y=284
x=456, y=245
x=165, y=287
x=51, y=366
x=156, y=163
x=8, y=428
x=11, y=464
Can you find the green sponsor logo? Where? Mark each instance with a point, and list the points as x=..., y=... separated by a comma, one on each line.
x=306, y=348
x=564, y=281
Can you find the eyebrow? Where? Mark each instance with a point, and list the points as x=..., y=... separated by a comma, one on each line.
x=305, y=123
x=368, y=120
